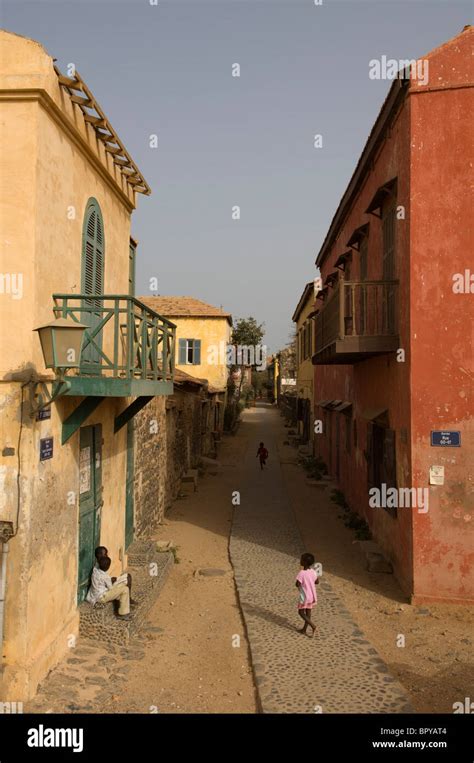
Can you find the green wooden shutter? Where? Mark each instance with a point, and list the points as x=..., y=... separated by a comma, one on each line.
x=99, y=255
x=197, y=352
x=93, y=250
x=182, y=352
x=89, y=256
x=92, y=280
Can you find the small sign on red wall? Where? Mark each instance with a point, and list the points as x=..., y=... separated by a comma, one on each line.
x=446, y=439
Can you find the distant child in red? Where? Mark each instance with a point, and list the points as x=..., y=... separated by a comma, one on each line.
x=306, y=582
x=262, y=452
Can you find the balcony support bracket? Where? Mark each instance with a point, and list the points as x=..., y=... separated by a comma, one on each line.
x=129, y=412
x=78, y=416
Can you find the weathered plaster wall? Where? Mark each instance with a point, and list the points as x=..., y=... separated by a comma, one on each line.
x=442, y=240
x=428, y=149
x=41, y=602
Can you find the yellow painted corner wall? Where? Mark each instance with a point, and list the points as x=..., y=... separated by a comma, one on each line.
x=18, y=148
x=46, y=181
x=213, y=333
x=41, y=603
x=44, y=243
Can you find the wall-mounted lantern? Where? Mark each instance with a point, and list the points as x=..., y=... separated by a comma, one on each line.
x=61, y=342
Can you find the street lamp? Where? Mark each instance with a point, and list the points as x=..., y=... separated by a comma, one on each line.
x=61, y=342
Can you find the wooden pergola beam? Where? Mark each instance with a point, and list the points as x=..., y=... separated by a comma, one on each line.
x=80, y=100
x=127, y=166
x=73, y=84
x=97, y=121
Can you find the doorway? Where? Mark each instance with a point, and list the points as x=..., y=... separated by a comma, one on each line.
x=90, y=502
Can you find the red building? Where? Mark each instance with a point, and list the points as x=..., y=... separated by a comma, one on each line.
x=393, y=374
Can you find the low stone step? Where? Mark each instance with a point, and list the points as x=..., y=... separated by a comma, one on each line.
x=141, y=552
x=100, y=623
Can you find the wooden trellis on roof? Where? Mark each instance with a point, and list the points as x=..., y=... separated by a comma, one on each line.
x=94, y=115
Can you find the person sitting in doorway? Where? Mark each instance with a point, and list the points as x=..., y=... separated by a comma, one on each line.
x=103, y=589
x=102, y=551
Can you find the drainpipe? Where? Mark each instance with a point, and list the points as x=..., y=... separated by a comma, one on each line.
x=3, y=588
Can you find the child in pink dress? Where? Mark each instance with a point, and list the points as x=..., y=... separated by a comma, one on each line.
x=306, y=582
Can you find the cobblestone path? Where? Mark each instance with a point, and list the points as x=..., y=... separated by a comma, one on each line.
x=338, y=671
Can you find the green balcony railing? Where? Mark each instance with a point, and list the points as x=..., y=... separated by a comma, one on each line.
x=125, y=339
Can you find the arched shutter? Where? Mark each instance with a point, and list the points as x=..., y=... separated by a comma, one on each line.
x=92, y=278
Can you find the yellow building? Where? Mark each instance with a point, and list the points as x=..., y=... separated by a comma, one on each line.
x=303, y=319
x=66, y=469
x=202, y=335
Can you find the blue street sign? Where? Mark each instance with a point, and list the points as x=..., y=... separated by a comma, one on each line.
x=46, y=448
x=446, y=439
x=45, y=413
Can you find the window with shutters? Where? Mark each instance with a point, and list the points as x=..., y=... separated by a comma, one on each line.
x=92, y=279
x=189, y=352
x=93, y=250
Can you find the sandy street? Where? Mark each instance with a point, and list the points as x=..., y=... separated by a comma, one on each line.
x=193, y=655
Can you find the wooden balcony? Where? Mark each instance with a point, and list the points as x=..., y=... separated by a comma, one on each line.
x=128, y=349
x=359, y=319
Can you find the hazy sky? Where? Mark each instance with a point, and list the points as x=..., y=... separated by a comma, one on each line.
x=247, y=141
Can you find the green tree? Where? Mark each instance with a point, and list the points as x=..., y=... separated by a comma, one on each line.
x=246, y=334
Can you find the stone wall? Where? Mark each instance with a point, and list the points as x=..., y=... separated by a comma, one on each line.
x=171, y=434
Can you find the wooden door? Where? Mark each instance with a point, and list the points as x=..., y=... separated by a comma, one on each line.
x=90, y=502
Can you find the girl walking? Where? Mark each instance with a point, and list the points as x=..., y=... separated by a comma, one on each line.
x=306, y=582
x=262, y=453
